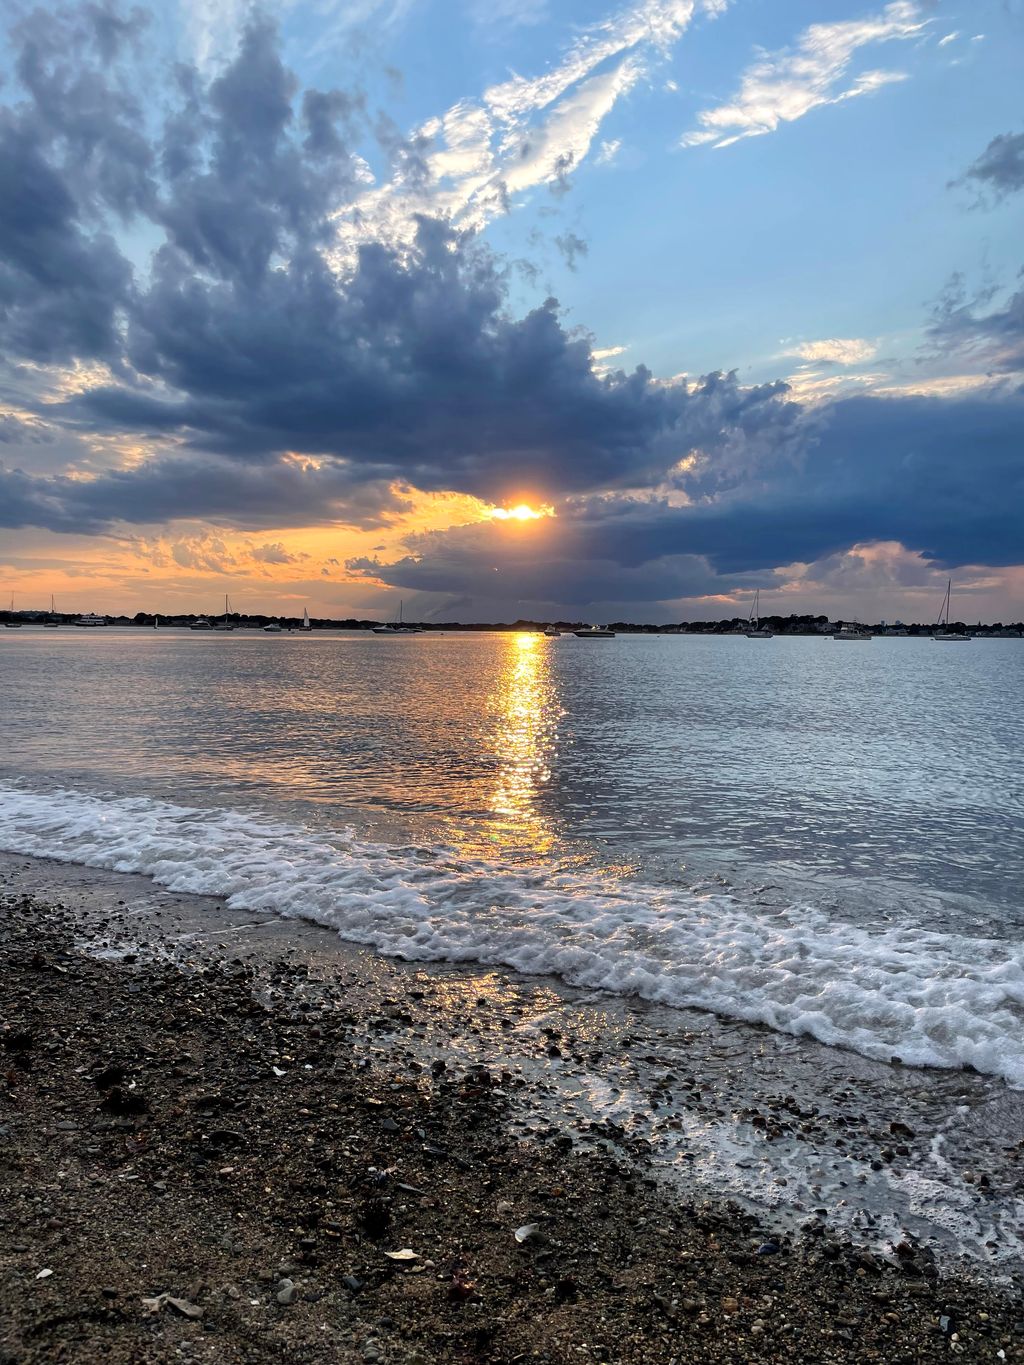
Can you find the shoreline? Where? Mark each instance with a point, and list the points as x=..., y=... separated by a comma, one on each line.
x=305, y=1110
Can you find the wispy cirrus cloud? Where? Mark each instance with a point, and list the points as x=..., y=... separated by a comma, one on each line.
x=835, y=350
x=468, y=164
x=783, y=86
x=211, y=28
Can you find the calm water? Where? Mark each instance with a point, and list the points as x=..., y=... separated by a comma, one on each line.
x=713, y=821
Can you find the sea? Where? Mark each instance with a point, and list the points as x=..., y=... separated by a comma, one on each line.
x=820, y=839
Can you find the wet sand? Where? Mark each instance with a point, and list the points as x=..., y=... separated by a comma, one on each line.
x=214, y=1128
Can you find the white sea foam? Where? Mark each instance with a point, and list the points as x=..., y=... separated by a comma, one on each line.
x=932, y=999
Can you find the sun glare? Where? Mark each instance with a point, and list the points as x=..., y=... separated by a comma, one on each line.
x=521, y=512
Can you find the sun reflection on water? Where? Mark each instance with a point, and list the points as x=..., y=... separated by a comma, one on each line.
x=525, y=703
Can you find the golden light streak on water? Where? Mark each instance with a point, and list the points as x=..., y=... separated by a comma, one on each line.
x=525, y=739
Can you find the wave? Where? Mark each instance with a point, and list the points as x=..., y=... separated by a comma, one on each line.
x=929, y=999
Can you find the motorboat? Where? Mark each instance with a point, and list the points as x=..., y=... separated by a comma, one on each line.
x=272, y=628
x=90, y=620
x=594, y=633
x=852, y=630
x=201, y=623
x=552, y=632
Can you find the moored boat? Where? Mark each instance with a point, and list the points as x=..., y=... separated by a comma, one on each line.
x=852, y=630
x=755, y=631
x=594, y=633
x=945, y=636
x=224, y=624
x=397, y=626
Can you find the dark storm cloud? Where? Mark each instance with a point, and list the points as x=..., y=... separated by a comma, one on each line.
x=276, y=493
x=1000, y=167
x=945, y=478
x=243, y=342
x=61, y=286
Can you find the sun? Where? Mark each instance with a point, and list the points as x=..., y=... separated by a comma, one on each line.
x=521, y=512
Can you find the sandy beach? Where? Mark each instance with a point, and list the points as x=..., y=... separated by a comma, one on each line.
x=220, y=1145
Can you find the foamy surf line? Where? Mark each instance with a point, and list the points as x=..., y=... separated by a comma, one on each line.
x=929, y=999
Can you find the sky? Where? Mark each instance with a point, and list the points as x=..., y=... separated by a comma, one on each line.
x=298, y=301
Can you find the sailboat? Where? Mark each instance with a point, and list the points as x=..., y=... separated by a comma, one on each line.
x=12, y=625
x=52, y=623
x=397, y=626
x=224, y=623
x=305, y=619
x=945, y=636
x=755, y=630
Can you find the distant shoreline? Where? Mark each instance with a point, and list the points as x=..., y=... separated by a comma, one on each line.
x=812, y=626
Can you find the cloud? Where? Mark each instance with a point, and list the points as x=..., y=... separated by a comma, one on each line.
x=192, y=487
x=836, y=350
x=881, y=470
x=473, y=160
x=961, y=328
x=780, y=87
x=572, y=247
x=242, y=344
x=494, y=16
x=949, y=38
x=275, y=554
x=1000, y=167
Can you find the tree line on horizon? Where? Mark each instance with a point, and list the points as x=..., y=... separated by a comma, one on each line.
x=794, y=624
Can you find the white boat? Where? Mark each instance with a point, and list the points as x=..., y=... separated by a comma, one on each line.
x=755, y=631
x=852, y=630
x=224, y=624
x=552, y=632
x=272, y=628
x=594, y=633
x=201, y=623
x=53, y=623
x=91, y=620
x=305, y=619
x=945, y=636
x=397, y=626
